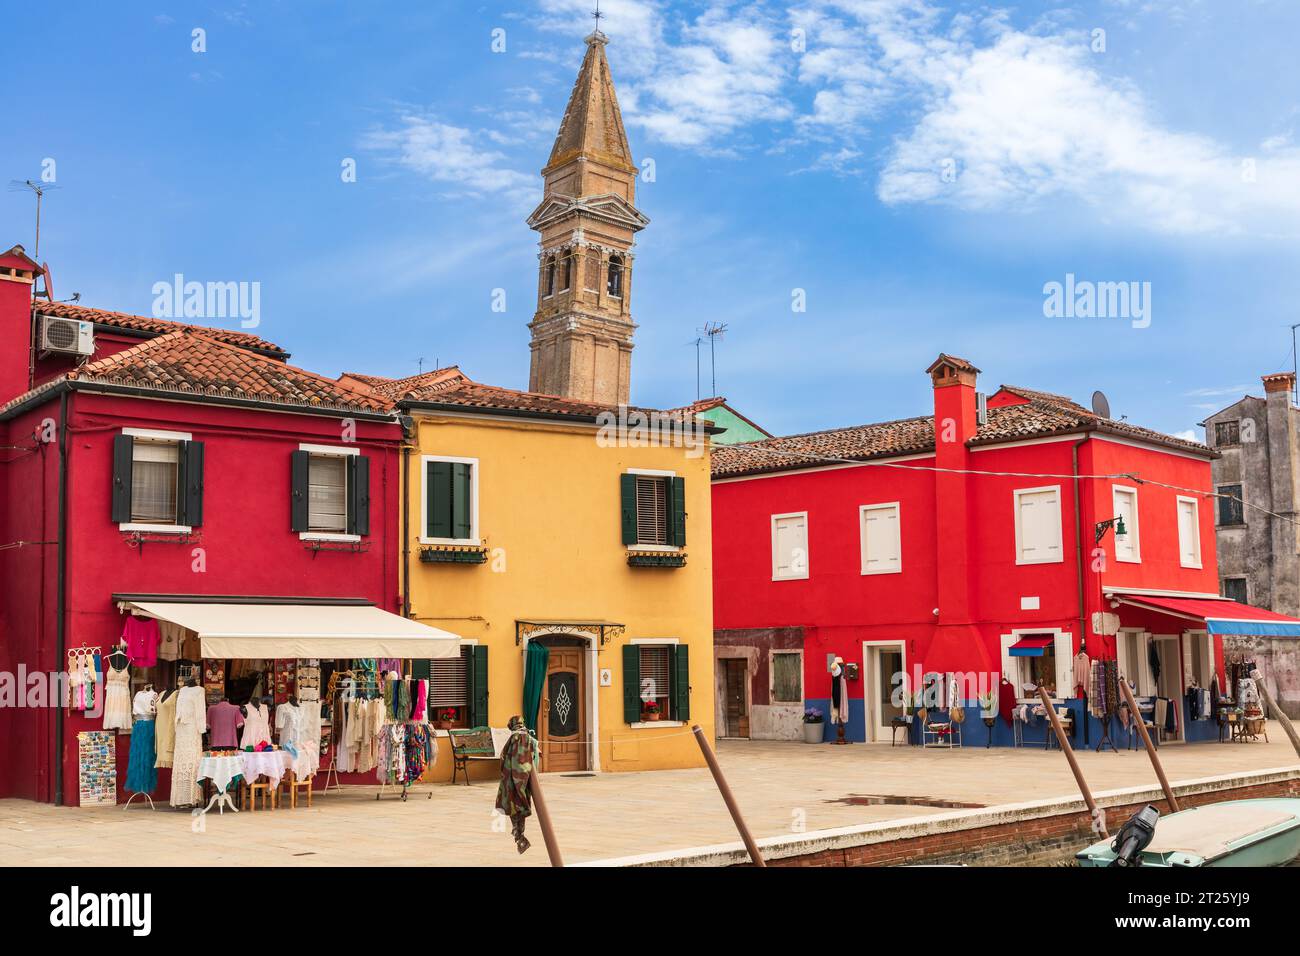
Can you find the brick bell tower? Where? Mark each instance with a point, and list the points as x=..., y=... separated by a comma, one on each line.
x=587, y=223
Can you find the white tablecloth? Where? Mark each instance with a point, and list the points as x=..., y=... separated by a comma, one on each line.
x=268, y=763
x=221, y=770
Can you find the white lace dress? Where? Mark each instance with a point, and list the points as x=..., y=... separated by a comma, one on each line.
x=117, y=699
x=191, y=720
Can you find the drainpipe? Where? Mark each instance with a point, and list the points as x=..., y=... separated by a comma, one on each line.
x=61, y=596
x=407, y=429
x=1080, y=557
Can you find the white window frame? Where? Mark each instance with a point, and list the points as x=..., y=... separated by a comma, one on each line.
x=1060, y=525
x=154, y=434
x=655, y=473
x=1133, y=534
x=333, y=451
x=1062, y=646
x=771, y=675
x=807, y=548
x=474, y=538
x=897, y=566
x=1196, y=530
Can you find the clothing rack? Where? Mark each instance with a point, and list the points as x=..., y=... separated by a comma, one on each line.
x=406, y=785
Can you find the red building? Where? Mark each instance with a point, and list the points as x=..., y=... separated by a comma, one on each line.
x=984, y=553
x=144, y=459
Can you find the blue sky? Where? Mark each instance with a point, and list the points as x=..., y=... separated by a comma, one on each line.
x=920, y=169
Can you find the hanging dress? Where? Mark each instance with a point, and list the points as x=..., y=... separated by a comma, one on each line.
x=164, y=728
x=191, y=718
x=257, y=726
x=117, y=700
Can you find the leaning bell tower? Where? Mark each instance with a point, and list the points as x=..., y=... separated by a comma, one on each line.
x=587, y=223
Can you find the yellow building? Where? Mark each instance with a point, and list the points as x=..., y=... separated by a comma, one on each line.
x=550, y=528
x=546, y=545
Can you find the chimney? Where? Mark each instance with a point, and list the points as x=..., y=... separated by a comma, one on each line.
x=955, y=422
x=18, y=275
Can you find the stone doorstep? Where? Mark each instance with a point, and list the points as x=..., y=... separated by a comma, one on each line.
x=842, y=838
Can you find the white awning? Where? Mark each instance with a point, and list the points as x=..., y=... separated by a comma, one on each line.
x=243, y=631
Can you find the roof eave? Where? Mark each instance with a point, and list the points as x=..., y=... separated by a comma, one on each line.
x=412, y=404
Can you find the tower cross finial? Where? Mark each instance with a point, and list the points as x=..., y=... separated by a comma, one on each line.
x=597, y=15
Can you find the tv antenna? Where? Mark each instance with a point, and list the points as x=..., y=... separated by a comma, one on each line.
x=40, y=189
x=697, y=342
x=714, y=331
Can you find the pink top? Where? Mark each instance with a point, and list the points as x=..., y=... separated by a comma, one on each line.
x=142, y=636
x=224, y=719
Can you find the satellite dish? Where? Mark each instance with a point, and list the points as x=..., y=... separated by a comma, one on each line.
x=1100, y=406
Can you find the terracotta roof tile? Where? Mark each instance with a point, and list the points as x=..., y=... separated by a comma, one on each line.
x=425, y=382
x=494, y=398
x=150, y=325
x=1045, y=414
x=192, y=363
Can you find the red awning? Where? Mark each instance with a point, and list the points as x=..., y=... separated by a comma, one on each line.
x=1219, y=615
x=1031, y=646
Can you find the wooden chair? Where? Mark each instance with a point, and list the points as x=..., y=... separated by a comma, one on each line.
x=292, y=785
x=266, y=788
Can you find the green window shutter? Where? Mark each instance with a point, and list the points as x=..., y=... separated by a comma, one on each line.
x=677, y=512
x=300, y=490
x=627, y=499
x=190, y=499
x=438, y=492
x=461, y=490
x=477, y=677
x=631, y=683
x=421, y=669
x=358, y=496
x=681, y=683
x=123, y=456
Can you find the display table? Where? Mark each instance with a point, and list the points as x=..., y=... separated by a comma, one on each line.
x=222, y=771
x=272, y=764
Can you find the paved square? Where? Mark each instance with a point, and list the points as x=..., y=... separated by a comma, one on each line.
x=605, y=815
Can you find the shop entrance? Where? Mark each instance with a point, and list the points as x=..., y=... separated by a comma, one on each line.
x=563, y=727
x=1170, y=684
x=884, y=660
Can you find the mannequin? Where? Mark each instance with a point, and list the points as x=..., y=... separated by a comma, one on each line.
x=223, y=720
x=257, y=723
x=188, y=750
x=165, y=727
x=839, y=699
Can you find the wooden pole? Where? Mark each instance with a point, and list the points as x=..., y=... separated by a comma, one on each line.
x=1151, y=748
x=544, y=818
x=1276, y=711
x=1064, y=741
x=727, y=796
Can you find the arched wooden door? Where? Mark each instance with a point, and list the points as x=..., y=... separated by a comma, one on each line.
x=563, y=726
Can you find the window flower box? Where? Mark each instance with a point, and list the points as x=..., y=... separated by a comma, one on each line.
x=452, y=554
x=656, y=559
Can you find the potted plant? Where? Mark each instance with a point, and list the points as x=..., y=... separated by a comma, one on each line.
x=813, y=731
x=445, y=718
x=650, y=710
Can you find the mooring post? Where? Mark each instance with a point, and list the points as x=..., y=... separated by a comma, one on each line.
x=544, y=818
x=1097, y=815
x=1151, y=748
x=727, y=796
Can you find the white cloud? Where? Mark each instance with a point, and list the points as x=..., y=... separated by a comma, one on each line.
x=450, y=155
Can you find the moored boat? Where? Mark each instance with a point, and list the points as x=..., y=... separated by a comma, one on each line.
x=1263, y=832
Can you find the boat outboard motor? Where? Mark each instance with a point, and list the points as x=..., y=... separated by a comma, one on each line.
x=1134, y=837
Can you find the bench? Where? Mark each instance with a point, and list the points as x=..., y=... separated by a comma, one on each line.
x=474, y=743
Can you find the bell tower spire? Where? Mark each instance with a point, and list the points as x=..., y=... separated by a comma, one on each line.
x=587, y=223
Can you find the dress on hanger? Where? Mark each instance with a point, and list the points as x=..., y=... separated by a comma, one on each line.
x=117, y=700
x=165, y=730
x=257, y=726
x=191, y=718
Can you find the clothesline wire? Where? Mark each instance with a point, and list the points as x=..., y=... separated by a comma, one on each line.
x=1131, y=476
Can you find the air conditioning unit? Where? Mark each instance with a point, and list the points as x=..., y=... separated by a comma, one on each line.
x=70, y=336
